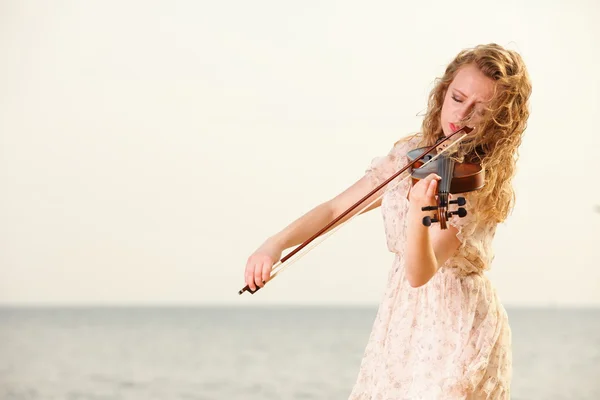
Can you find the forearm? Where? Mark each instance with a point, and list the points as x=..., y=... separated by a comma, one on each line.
x=304, y=227
x=420, y=258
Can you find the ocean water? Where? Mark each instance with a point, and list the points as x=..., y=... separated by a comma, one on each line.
x=251, y=354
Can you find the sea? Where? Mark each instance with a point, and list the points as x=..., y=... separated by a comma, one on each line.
x=221, y=353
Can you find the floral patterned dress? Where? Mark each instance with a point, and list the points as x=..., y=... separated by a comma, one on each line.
x=448, y=339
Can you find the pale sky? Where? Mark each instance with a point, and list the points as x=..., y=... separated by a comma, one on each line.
x=148, y=148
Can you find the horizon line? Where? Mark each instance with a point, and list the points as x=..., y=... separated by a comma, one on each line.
x=98, y=305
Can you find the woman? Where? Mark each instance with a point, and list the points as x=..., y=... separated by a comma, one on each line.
x=440, y=331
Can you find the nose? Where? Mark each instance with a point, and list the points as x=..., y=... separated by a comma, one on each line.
x=464, y=111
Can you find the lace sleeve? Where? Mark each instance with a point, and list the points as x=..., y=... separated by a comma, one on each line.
x=383, y=167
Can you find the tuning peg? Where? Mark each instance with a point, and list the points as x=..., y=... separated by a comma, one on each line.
x=461, y=212
x=428, y=220
x=429, y=208
x=460, y=201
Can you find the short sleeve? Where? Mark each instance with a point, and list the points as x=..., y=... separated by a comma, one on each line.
x=383, y=167
x=475, y=251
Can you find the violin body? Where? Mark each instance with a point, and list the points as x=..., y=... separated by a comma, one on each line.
x=456, y=178
x=466, y=177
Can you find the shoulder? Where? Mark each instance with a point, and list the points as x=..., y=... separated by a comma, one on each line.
x=383, y=166
x=400, y=149
x=407, y=143
x=395, y=155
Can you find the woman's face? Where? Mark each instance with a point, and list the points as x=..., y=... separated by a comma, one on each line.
x=467, y=94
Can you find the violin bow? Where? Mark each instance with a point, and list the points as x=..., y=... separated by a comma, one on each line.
x=279, y=267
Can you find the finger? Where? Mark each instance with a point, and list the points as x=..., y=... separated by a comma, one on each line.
x=250, y=277
x=266, y=271
x=431, y=190
x=433, y=176
x=261, y=268
x=258, y=274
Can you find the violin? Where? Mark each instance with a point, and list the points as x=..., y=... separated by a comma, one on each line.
x=456, y=178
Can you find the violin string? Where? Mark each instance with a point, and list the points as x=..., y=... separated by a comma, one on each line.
x=446, y=175
x=441, y=186
x=280, y=267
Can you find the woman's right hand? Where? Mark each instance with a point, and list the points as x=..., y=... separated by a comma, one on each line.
x=260, y=264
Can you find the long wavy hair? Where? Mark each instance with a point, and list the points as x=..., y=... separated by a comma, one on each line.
x=495, y=141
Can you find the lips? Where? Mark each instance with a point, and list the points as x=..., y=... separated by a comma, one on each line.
x=453, y=127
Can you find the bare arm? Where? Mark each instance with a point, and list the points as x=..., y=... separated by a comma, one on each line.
x=310, y=223
x=259, y=264
x=427, y=248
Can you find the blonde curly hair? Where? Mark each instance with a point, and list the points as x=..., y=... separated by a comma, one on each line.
x=495, y=141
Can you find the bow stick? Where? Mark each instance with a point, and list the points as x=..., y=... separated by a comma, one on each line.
x=278, y=267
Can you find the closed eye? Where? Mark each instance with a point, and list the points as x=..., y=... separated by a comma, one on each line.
x=456, y=100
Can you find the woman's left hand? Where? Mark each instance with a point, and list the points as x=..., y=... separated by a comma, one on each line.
x=423, y=193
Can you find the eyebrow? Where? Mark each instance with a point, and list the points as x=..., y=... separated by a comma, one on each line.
x=464, y=95
x=460, y=92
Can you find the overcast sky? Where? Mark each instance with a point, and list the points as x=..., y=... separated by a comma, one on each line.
x=147, y=148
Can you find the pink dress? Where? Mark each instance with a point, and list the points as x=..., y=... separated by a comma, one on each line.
x=448, y=339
